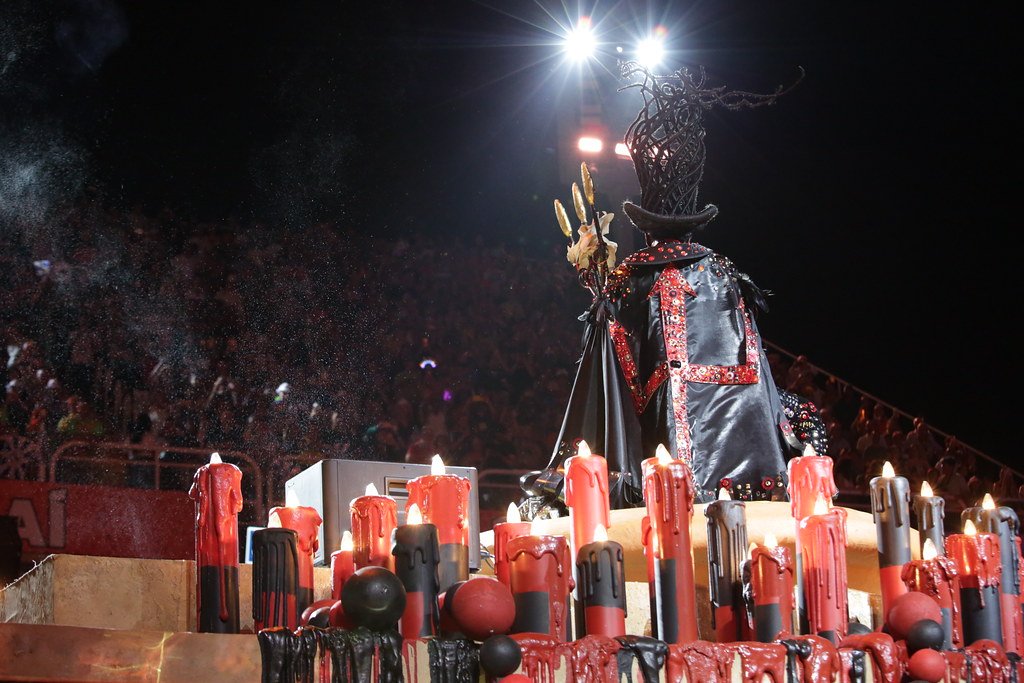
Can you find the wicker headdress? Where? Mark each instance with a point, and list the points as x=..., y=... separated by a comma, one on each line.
x=666, y=142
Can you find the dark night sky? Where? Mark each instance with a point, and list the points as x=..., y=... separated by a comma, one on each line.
x=873, y=200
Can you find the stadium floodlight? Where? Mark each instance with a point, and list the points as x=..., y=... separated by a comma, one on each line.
x=589, y=144
x=580, y=44
x=621, y=150
x=650, y=51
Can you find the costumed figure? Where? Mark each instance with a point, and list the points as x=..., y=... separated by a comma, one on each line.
x=671, y=351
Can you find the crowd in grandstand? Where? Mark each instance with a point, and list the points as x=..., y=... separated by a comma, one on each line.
x=331, y=342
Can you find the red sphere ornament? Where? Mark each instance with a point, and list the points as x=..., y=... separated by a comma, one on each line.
x=338, y=618
x=908, y=609
x=308, y=612
x=927, y=665
x=482, y=607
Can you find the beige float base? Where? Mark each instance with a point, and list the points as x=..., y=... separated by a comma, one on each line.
x=32, y=652
x=121, y=593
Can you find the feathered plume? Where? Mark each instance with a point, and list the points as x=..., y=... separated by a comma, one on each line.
x=577, y=200
x=563, y=219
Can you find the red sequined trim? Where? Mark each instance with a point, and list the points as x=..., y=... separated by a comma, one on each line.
x=641, y=394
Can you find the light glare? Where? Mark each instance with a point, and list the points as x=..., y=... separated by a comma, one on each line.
x=590, y=145
x=621, y=149
x=650, y=51
x=580, y=43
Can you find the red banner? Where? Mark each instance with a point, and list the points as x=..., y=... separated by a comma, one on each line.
x=100, y=520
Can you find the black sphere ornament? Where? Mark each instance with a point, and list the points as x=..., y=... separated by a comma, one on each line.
x=500, y=656
x=925, y=634
x=855, y=628
x=373, y=597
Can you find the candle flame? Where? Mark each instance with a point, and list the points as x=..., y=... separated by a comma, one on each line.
x=809, y=450
x=887, y=471
x=929, y=551
x=513, y=514
x=821, y=505
x=988, y=503
x=970, y=529
x=346, y=541
x=926, y=489
x=274, y=520
x=437, y=465
x=371, y=489
x=583, y=448
x=215, y=458
x=770, y=541
x=600, y=534
x=750, y=549
x=291, y=497
x=723, y=494
x=413, y=515
x=664, y=457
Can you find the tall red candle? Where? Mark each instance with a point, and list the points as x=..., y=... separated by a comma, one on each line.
x=668, y=493
x=540, y=577
x=977, y=560
x=771, y=583
x=810, y=476
x=444, y=501
x=343, y=565
x=374, y=518
x=823, y=539
x=650, y=542
x=890, y=508
x=937, y=576
x=504, y=532
x=217, y=490
x=305, y=522
x=586, y=495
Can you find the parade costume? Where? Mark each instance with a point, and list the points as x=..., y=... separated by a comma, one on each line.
x=672, y=354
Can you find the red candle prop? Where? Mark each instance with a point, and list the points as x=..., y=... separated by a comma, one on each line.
x=374, y=518
x=416, y=559
x=890, y=507
x=540, y=578
x=771, y=582
x=586, y=495
x=305, y=522
x=275, y=579
x=444, y=501
x=504, y=532
x=810, y=476
x=668, y=493
x=937, y=577
x=601, y=572
x=822, y=537
x=727, y=548
x=217, y=490
x=1003, y=522
x=342, y=565
x=650, y=541
x=977, y=560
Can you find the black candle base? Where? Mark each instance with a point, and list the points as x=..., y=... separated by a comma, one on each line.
x=667, y=613
x=767, y=622
x=210, y=601
x=982, y=617
x=454, y=565
x=533, y=612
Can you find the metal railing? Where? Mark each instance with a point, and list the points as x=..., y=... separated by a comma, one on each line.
x=118, y=454
x=821, y=372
